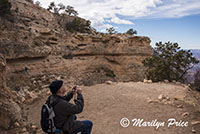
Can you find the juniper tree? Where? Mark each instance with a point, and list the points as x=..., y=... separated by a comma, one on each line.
x=169, y=62
x=70, y=11
x=111, y=30
x=37, y=3
x=131, y=32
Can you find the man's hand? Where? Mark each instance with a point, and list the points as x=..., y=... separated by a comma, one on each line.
x=79, y=90
x=74, y=89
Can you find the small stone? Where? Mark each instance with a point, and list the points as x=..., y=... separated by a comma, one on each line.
x=185, y=114
x=174, y=81
x=150, y=101
x=26, y=88
x=24, y=130
x=195, y=122
x=22, y=99
x=161, y=97
x=109, y=82
x=32, y=95
x=178, y=83
x=16, y=124
x=145, y=81
x=45, y=86
x=33, y=127
x=153, y=101
x=179, y=97
x=166, y=102
x=166, y=81
x=193, y=130
x=186, y=86
x=34, y=82
x=180, y=106
x=167, y=98
x=43, y=78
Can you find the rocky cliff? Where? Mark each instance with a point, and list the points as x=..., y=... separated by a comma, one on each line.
x=10, y=112
x=38, y=40
x=38, y=49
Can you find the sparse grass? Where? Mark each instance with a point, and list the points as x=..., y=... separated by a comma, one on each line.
x=36, y=43
x=106, y=41
x=48, y=43
x=108, y=71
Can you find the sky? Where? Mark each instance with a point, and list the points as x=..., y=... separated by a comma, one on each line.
x=161, y=20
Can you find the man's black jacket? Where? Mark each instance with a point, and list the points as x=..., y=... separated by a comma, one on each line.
x=64, y=111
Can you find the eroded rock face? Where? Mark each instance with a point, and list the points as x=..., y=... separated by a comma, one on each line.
x=9, y=110
x=38, y=40
x=2, y=72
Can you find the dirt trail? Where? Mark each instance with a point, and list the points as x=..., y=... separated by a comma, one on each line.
x=107, y=104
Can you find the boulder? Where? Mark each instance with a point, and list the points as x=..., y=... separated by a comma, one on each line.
x=166, y=81
x=109, y=82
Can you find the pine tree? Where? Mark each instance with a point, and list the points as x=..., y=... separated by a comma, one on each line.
x=131, y=32
x=70, y=11
x=169, y=62
x=111, y=30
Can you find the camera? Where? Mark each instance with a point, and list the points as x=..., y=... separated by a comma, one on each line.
x=74, y=88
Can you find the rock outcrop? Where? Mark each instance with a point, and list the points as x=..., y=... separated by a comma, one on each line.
x=10, y=112
x=36, y=42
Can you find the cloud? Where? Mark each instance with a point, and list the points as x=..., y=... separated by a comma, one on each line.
x=105, y=13
x=117, y=20
x=176, y=9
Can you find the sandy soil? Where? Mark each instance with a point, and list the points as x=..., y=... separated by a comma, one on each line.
x=107, y=104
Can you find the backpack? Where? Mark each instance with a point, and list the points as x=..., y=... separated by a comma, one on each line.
x=47, y=119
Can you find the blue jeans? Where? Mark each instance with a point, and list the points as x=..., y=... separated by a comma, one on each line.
x=86, y=128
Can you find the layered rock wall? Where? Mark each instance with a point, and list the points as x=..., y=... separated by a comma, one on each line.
x=10, y=112
x=37, y=40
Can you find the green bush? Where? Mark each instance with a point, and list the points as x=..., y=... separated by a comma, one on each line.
x=4, y=7
x=131, y=32
x=70, y=11
x=48, y=43
x=111, y=30
x=56, y=8
x=169, y=62
x=108, y=71
x=36, y=43
x=78, y=26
